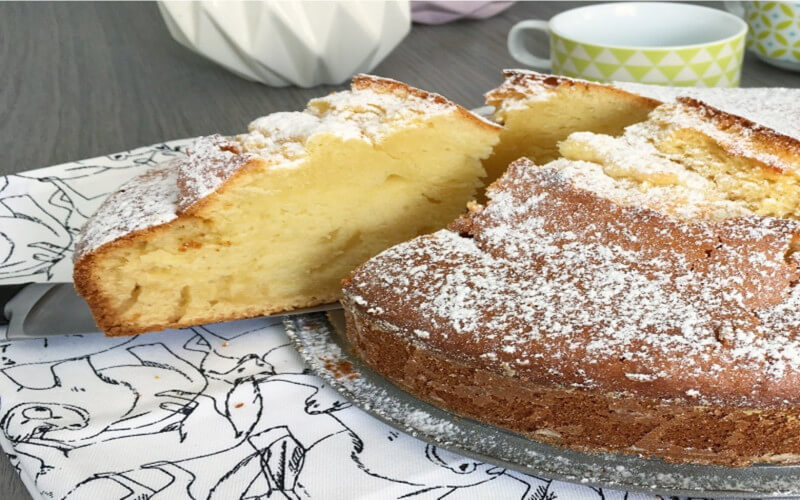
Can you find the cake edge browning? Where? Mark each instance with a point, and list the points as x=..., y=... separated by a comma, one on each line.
x=762, y=138
x=526, y=84
x=86, y=284
x=578, y=419
x=86, y=279
x=383, y=84
x=238, y=161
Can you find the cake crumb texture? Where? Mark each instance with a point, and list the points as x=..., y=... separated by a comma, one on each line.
x=273, y=219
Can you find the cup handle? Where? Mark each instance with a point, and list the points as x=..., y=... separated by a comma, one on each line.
x=517, y=49
x=735, y=8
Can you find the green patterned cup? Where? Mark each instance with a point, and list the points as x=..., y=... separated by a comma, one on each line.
x=646, y=42
x=774, y=31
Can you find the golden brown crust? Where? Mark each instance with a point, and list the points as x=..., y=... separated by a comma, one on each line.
x=227, y=161
x=519, y=84
x=522, y=84
x=107, y=318
x=520, y=266
x=763, y=139
x=509, y=349
x=579, y=419
x=201, y=204
x=86, y=280
x=379, y=84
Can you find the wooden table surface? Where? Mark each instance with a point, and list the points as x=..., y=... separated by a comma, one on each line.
x=79, y=80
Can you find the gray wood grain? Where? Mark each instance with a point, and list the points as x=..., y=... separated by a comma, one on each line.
x=79, y=80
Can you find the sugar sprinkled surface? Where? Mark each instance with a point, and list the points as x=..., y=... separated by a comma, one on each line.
x=771, y=108
x=615, y=167
x=209, y=162
x=367, y=112
x=145, y=201
x=554, y=277
x=775, y=108
x=739, y=140
x=360, y=114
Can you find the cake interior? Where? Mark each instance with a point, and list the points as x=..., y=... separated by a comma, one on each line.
x=280, y=238
x=533, y=128
x=766, y=190
x=556, y=126
x=690, y=159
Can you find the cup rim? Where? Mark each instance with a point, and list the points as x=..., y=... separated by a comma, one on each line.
x=740, y=33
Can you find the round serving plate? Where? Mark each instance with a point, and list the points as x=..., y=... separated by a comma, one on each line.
x=322, y=344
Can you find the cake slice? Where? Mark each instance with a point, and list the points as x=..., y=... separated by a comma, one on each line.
x=539, y=110
x=636, y=295
x=272, y=220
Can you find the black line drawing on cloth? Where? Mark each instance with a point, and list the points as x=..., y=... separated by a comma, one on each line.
x=189, y=408
x=240, y=349
x=265, y=465
x=33, y=353
x=40, y=216
x=149, y=155
x=224, y=411
x=235, y=358
x=87, y=183
x=64, y=422
x=536, y=488
x=330, y=426
x=110, y=486
x=34, y=235
x=49, y=435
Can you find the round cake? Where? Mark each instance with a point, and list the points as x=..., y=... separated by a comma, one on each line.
x=636, y=295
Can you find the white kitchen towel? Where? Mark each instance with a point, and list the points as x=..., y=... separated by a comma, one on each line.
x=225, y=411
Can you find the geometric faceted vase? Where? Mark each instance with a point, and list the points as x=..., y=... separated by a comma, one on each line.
x=290, y=43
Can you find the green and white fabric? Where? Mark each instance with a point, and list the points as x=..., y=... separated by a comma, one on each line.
x=774, y=29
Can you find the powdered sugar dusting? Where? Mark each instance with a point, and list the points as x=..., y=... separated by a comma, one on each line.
x=373, y=108
x=523, y=87
x=737, y=140
x=630, y=171
x=561, y=284
x=317, y=343
x=160, y=194
x=776, y=108
x=145, y=201
x=209, y=162
x=365, y=114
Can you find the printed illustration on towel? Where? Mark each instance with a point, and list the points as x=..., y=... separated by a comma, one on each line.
x=41, y=212
x=217, y=412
